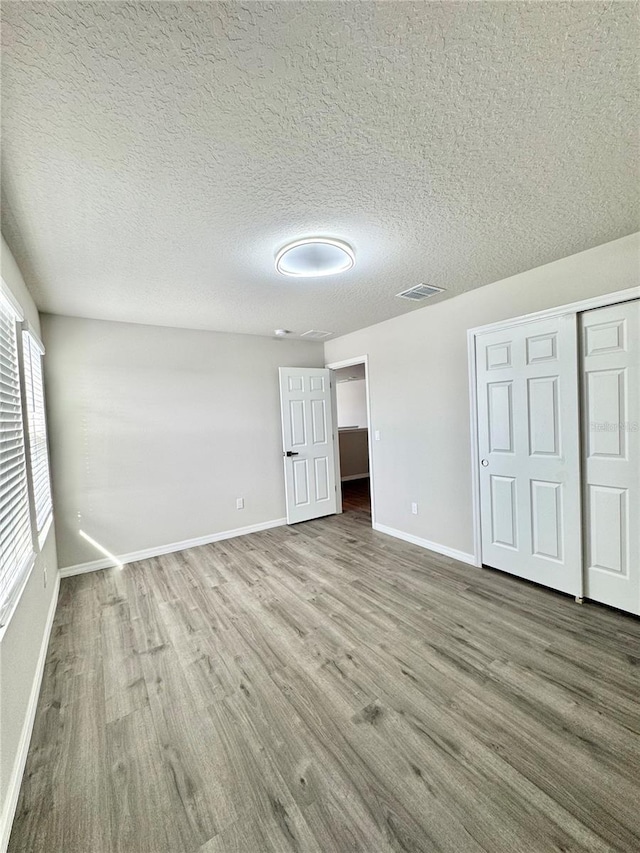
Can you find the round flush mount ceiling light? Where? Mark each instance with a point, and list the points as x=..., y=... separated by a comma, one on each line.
x=315, y=256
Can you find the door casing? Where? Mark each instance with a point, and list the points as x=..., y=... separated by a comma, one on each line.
x=336, y=365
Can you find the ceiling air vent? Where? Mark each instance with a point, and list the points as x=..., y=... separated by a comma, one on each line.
x=420, y=291
x=315, y=335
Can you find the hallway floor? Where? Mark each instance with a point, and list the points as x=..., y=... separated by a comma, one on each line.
x=356, y=496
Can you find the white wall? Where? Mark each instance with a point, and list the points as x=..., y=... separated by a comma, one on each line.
x=351, y=398
x=418, y=380
x=21, y=643
x=155, y=432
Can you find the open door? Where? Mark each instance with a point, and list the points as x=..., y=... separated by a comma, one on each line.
x=307, y=443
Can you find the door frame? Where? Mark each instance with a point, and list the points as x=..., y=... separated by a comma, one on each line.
x=574, y=308
x=336, y=365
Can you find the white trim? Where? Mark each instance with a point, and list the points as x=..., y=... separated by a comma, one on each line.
x=15, y=780
x=475, y=459
x=7, y=293
x=349, y=362
x=46, y=527
x=27, y=329
x=462, y=556
x=354, y=477
x=336, y=441
x=25, y=574
x=92, y=566
x=158, y=551
x=574, y=308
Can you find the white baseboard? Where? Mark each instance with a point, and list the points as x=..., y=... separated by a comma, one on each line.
x=425, y=543
x=354, y=477
x=15, y=780
x=134, y=556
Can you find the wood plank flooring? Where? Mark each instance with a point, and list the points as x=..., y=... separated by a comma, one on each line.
x=325, y=688
x=356, y=496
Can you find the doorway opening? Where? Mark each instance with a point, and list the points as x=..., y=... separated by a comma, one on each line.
x=353, y=450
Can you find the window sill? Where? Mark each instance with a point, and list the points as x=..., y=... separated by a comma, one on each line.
x=17, y=595
x=42, y=535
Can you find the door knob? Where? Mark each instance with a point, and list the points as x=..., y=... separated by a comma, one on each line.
x=484, y=463
x=291, y=453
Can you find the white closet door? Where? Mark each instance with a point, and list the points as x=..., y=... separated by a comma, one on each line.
x=611, y=438
x=528, y=429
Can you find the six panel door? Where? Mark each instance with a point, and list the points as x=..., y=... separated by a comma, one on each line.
x=308, y=444
x=528, y=423
x=611, y=451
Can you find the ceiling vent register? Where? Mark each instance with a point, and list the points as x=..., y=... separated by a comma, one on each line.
x=420, y=291
x=315, y=335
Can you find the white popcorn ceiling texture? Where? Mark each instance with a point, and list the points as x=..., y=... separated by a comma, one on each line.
x=156, y=155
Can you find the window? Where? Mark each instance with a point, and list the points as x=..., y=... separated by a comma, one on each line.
x=38, y=453
x=16, y=545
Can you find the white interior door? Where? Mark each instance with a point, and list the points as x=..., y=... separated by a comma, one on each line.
x=307, y=443
x=528, y=437
x=611, y=431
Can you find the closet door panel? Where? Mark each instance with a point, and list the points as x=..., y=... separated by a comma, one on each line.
x=611, y=464
x=528, y=428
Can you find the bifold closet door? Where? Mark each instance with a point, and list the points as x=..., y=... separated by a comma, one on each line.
x=611, y=440
x=528, y=429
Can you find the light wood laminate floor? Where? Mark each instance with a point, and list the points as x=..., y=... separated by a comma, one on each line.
x=324, y=688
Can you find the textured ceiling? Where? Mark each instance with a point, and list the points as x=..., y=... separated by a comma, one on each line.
x=156, y=155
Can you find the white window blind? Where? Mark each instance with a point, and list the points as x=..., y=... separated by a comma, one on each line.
x=38, y=451
x=16, y=546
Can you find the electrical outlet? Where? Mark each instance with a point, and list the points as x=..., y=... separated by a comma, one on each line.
x=239, y=503
x=376, y=435
x=44, y=572
x=414, y=508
